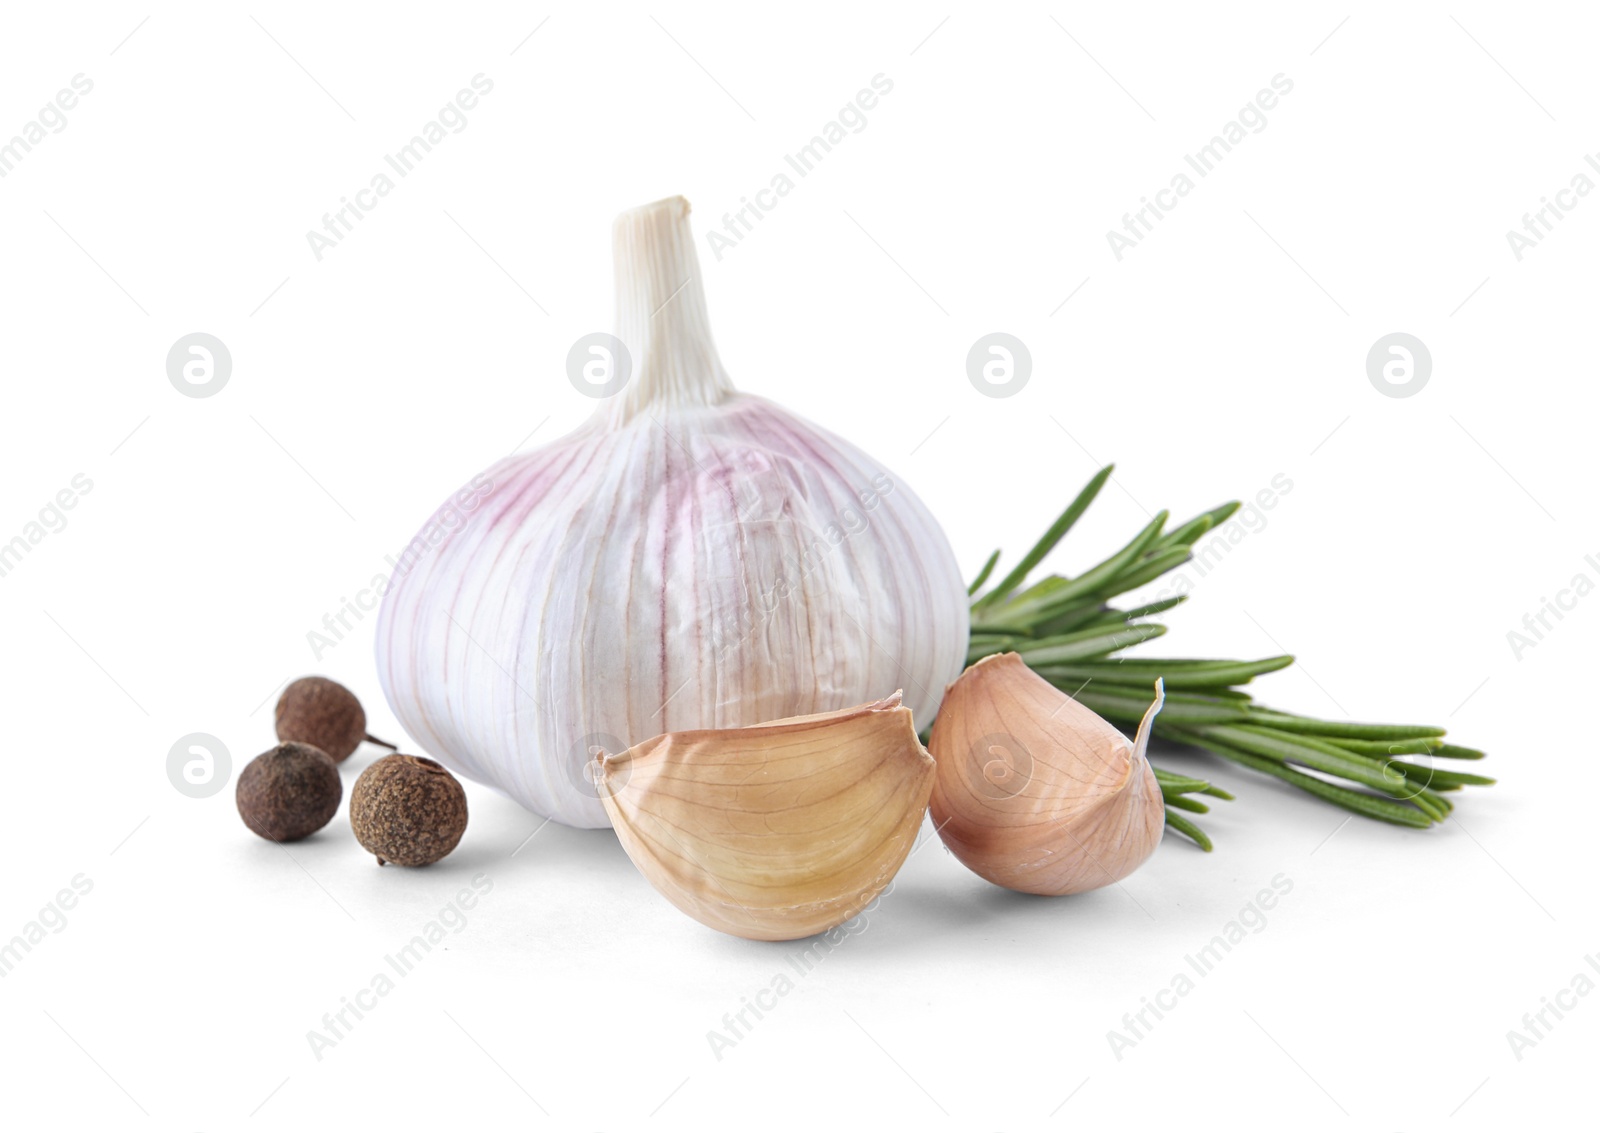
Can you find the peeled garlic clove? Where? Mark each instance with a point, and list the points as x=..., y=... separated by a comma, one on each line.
x=777, y=831
x=1034, y=791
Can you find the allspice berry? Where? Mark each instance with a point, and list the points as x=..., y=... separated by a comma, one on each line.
x=289, y=792
x=408, y=810
x=325, y=714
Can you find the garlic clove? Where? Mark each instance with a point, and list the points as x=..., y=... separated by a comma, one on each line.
x=776, y=831
x=1035, y=792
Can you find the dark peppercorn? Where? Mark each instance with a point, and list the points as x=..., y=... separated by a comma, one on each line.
x=289, y=792
x=408, y=810
x=323, y=713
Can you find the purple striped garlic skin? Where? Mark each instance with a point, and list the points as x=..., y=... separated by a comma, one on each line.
x=691, y=557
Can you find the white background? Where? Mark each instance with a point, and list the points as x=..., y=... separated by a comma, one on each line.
x=1229, y=347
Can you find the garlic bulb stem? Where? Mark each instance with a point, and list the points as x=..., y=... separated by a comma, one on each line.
x=661, y=315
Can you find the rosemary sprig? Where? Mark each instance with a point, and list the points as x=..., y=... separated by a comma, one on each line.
x=1067, y=632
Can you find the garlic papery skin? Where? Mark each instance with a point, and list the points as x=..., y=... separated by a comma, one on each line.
x=1034, y=791
x=778, y=831
x=689, y=558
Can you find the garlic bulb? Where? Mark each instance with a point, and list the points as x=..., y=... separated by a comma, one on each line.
x=1034, y=791
x=689, y=558
x=778, y=831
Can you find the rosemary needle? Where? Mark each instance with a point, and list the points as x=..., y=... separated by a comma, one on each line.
x=1067, y=631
